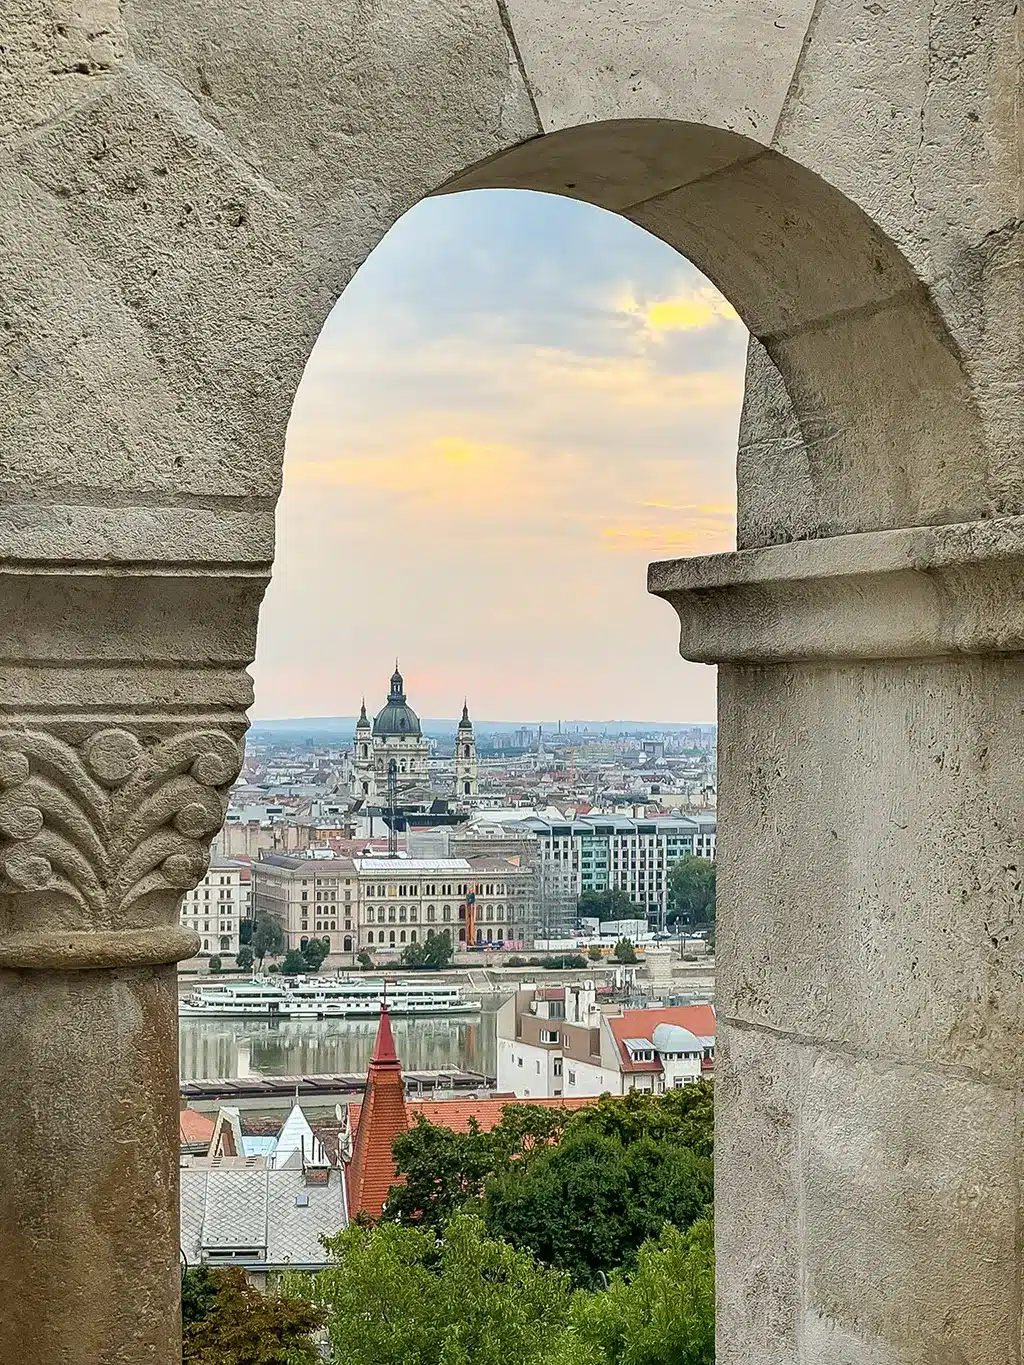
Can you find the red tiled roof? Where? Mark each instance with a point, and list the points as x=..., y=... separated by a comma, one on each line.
x=456, y=1114
x=699, y=1019
x=382, y=1116
x=194, y=1127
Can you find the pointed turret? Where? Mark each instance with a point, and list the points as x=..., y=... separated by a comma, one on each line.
x=465, y=723
x=363, y=723
x=382, y=1116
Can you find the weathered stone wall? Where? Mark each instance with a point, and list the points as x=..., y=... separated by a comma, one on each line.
x=186, y=186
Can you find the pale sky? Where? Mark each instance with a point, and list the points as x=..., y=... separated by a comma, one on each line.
x=517, y=403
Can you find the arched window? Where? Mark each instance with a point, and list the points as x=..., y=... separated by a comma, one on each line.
x=414, y=914
x=465, y=788
x=391, y=915
x=225, y=945
x=402, y=913
x=347, y=947
x=431, y=913
x=401, y=936
x=412, y=935
x=462, y=935
x=446, y=913
x=391, y=938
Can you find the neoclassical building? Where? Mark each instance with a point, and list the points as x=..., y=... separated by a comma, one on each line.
x=396, y=734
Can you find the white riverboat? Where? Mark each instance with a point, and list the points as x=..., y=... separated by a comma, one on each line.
x=361, y=999
x=323, y=998
x=242, y=1000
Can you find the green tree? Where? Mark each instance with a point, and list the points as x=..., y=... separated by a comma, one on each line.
x=691, y=884
x=365, y=960
x=243, y=958
x=225, y=1321
x=594, y=953
x=588, y=1204
x=294, y=963
x=604, y=905
x=663, y=1313
x=198, y=1295
x=398, y=1296
x=686, y=1116
x=624, y=952
x=267, y=938
x=315, y=953
x=215, y=964
x=245, y=932
x=434, y=953
x=443, y=1171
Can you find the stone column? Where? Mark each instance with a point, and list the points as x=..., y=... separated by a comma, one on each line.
x=122, y=698
x=871, y=907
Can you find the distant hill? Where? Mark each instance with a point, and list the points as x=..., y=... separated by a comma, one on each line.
x=326, y=727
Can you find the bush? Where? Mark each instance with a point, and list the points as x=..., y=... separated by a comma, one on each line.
x=215, y=964
x=563, y=962
x=514, y=961
x=273, y=967
x=594, y=953
x=243, y=960
x=365, y=960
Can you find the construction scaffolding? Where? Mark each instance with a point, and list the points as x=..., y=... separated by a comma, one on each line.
x=554, y=902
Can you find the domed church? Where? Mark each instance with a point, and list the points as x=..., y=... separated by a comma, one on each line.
x=396, y=734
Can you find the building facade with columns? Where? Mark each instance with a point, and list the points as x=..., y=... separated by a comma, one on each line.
x=384, y=904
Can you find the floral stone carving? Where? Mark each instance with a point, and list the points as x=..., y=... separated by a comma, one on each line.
x=110, y=824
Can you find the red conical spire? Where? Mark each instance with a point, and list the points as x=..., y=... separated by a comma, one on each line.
x=384, y=1047
x=383, y=1115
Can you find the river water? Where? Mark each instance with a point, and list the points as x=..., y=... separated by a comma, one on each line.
x=218, y=1048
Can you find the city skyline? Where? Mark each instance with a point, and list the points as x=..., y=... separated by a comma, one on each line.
x=517, y=404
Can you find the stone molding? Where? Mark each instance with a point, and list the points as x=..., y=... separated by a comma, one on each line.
x=918, y=592
x=99, y=839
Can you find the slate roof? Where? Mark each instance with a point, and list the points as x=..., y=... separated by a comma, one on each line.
x=274, y=1215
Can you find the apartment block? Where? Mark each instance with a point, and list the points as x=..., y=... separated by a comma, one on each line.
x=606, y=852
x=561, y=1041
x=216, y=907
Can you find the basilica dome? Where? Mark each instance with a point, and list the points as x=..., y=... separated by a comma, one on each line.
x=396, y=717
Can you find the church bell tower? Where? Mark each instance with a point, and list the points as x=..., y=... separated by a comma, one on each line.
x=465, y=759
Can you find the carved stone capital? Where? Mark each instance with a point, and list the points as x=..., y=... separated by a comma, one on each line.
x=100, y=836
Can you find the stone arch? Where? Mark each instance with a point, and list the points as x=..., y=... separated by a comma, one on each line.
x=884, y=408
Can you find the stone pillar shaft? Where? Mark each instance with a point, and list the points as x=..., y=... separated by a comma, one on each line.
x=871, y=921
x=121, y=719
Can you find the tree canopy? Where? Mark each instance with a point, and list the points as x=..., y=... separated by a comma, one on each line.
x=243, y=958
x=435, y=952
x=399, y=1296
x=582, y=1190
x=604, y=905
x=691, y=883
x=625, y=952
x=267, y=938
x=443, y=1171
x=225, y=1321
x=663, y=1313
x=315, y=951
x=588, y=1204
